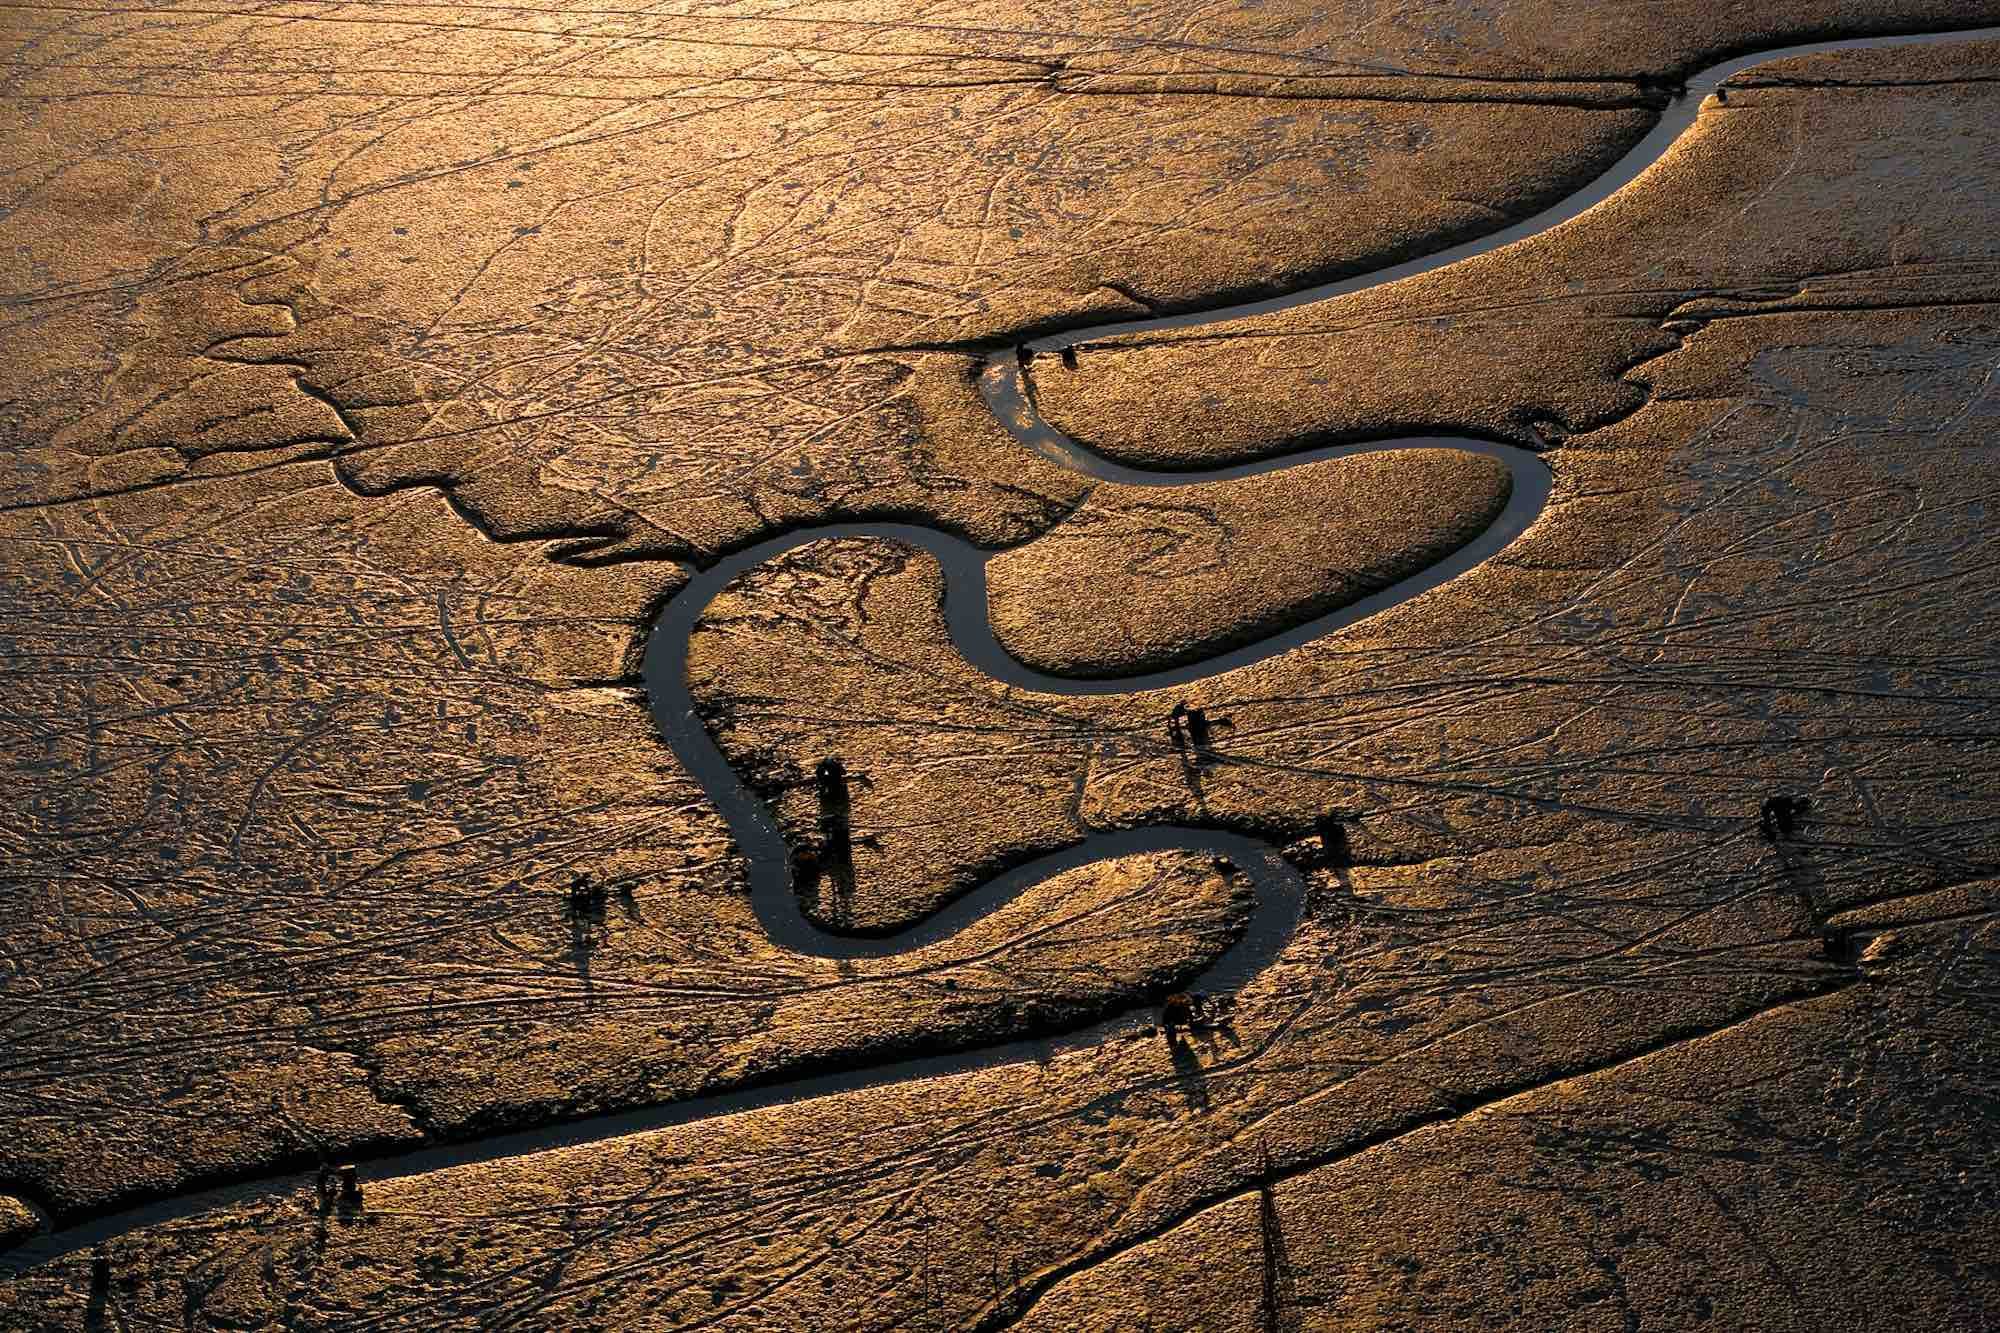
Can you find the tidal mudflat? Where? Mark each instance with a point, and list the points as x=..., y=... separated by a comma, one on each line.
x=679, y=634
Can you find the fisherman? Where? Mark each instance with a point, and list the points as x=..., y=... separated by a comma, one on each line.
x=350, y=1186
x=584, y=896
x=1778, y=817
x=1188, y=726
x=830, y=782
x=1177, y=1013
x=324, y=1184
x=1196, y=721
x=834, y=784
x=1069, y=357
x=1332, y=841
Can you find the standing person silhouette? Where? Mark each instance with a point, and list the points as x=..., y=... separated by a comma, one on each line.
x=1778, y=817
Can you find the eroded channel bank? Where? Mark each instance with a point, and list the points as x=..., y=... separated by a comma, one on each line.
x=1278, y=887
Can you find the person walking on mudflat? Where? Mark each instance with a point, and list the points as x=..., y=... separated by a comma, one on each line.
x=1177, y=1015
x=1778, y=817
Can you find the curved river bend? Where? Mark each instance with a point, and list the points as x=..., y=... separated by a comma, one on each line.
x=1279, y=888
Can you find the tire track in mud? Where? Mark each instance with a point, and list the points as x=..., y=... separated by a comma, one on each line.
x=1278, y=886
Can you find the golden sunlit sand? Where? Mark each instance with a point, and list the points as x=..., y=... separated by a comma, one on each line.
x=1087, y=667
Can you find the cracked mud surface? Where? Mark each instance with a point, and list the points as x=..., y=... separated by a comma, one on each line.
x=377, y=372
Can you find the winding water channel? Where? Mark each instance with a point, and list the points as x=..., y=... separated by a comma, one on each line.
x=1278, y=887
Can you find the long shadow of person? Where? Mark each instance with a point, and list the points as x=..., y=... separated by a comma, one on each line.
x=1279, y=1296
x=1188, y=1073
x=1192, y=773
x=835, y=900
x=1807, y=881
x=96, y=1312
x=832, y=890
x=583, y=907
x=1185, y=751
x=1779, y=821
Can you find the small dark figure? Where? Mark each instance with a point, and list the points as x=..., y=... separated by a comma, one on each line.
x=1177, y=1013
x=1196, y=721
x=324, y=1184
x=1778, y=818
x=100, y=1274
x=585, y=897
x=1188, y=726
x=1069, y=357
x=1024, y=354
x=1332, y=840
x=835, y=784
x=830, y=782
x=1775, y=812
x=1224, y=864
x=350, y=1187
x=805, y=865
x=1192, y=727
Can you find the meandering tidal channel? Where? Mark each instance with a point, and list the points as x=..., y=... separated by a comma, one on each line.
x=1278, y=886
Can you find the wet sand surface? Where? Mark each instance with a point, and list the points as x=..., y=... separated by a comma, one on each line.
x=357, y=573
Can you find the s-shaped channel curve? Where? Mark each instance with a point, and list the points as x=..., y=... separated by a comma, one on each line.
x=1278, y=886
